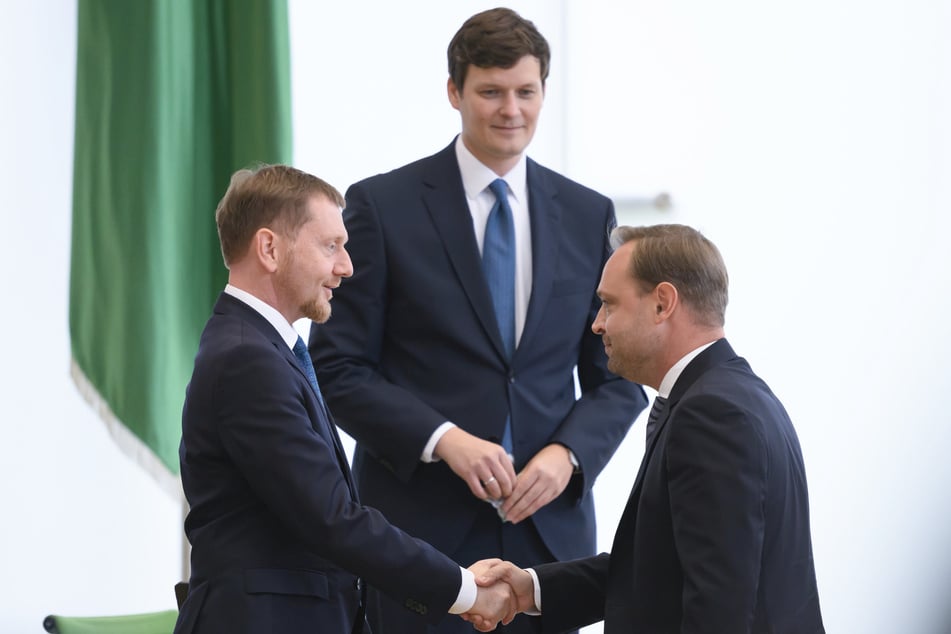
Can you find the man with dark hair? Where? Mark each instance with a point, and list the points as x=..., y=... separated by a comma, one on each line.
x=280, y=542
x=453, y=365
x=715, y=536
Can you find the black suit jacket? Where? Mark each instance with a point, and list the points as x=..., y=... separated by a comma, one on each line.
x=414, y=343
x=715, y=536
x=278, y=536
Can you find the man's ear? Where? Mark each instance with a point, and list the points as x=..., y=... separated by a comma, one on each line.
x=265, y=245
x=667, y=300
x=453, y=93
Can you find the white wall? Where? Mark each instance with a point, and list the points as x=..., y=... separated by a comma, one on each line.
x=809, y=140
x=83, y=529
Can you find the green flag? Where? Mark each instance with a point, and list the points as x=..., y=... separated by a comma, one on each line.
x=172, y=96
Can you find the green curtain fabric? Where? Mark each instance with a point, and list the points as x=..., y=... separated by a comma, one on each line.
x=172, y=96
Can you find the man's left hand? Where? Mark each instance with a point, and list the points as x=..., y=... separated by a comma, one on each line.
x=542, y=480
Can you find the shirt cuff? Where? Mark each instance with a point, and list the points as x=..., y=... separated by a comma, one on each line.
x=433, y=441
x=467, y=593
x=537, y=591
x=574, y=460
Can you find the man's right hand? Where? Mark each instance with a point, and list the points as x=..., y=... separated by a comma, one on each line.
x=489, y=572
x=493, y=604
x=484, y=466
x=489, y=575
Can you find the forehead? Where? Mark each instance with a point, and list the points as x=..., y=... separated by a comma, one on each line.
x=325, y=217
x=616, y=272
x=527, y=70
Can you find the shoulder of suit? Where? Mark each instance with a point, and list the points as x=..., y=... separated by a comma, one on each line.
x=561, y=183
x=418, y=170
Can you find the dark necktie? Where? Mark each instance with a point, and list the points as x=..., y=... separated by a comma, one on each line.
x=660, y=405
x=498, y=265
x=303, y=357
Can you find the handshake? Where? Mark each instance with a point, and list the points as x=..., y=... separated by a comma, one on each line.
x=504, y=590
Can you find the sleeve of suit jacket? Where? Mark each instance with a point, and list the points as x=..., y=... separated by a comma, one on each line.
x=608, y=403
x=573, y=592
x=394, y=423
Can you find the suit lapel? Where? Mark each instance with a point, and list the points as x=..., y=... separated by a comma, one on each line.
x=648, y=452
x=716, y=354
x=445, y=200
x=545, y=215
x=324, y=427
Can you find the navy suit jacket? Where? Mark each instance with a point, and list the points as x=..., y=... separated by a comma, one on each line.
x=715, y=536
x=414, y=343
x=278, y=536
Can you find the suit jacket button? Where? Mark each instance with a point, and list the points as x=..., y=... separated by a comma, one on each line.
x=358, y=583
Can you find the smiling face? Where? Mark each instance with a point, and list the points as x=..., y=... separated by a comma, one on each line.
x=627, y=321
x=499, y=109
x=314, y=263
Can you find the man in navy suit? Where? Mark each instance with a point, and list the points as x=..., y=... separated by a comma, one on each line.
x=715, y=536
x=280, y=541
x=457, y=394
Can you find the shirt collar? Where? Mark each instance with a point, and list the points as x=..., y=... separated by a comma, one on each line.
x=476, y=176
x=674, y=372
x=271, y=314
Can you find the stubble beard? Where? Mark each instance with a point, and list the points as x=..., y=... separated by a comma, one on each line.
x=629, y=368
x=317, y=310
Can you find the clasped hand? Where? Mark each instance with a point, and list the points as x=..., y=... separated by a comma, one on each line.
x=504, y=591
x=488, y=470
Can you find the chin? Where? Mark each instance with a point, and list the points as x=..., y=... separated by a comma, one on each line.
x=317, y=311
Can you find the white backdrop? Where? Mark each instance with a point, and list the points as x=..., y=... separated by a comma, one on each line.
x=810, y=141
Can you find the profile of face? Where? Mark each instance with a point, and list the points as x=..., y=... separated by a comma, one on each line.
x=626, y=320
x=315, y=262
x=499, y=109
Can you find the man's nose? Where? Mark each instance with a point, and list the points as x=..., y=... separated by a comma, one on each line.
x=344, y=265
x=510, y=105
x=597, y=326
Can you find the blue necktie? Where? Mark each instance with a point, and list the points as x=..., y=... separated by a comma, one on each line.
x=498, y=265
x=303, y=357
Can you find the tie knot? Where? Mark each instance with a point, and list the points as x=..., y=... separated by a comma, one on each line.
x=500, y=189
x=300, y=348
x=660, y=403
